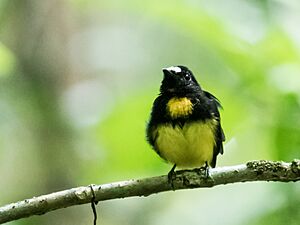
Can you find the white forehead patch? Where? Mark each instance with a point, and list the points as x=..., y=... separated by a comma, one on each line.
x=175, y=69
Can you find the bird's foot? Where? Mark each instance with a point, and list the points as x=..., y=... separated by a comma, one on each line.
x=206, y=168
x=203, y=171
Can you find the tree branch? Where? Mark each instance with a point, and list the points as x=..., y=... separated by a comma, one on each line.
x=185, y=179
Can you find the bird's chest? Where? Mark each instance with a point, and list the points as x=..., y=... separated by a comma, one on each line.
x=179, y=107
x=188, y=146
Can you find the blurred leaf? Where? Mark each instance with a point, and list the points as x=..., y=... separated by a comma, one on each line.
x=7, y=61
x=287, y=128
x=276, y=48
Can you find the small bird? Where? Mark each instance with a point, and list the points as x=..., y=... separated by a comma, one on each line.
x=185, y=125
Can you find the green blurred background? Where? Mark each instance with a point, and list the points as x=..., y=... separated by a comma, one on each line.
x=78, y=78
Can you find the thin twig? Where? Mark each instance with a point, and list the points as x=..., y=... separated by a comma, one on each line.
x=93, y=204
x=185, y=179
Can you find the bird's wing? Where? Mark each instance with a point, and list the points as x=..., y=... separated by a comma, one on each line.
x=215, y=105
x=157, y=116
x=219, y=135
x=213, y=99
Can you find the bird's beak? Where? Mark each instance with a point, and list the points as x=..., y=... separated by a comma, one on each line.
x=168, y=72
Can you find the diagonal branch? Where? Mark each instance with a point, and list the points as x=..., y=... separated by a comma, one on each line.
x=185, y=179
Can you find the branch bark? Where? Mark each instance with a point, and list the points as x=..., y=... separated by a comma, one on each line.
x=185, y=179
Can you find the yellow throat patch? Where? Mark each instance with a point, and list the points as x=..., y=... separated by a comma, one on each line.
x=178, y=107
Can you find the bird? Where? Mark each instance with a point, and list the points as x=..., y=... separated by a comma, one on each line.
x=184, y=127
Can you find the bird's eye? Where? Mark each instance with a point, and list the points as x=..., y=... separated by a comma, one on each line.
x=187, y=76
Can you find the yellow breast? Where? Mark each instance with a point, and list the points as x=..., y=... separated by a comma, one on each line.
x=187, y=147
x=179, y=107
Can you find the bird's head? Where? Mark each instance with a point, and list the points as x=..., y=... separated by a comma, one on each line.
x=178, y=80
